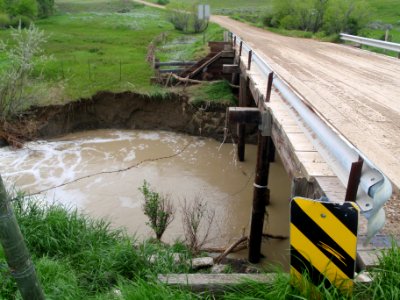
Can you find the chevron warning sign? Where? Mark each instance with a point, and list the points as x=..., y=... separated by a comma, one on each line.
x=323, y=241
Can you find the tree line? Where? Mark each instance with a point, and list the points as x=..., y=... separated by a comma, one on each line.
x=329, y=16
x=15, y=12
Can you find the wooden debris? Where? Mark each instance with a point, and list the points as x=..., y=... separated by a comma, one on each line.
x=212, y=282
x=230, y=249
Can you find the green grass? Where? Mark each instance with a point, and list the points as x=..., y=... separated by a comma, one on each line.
x=100, y=45
x=212, y=93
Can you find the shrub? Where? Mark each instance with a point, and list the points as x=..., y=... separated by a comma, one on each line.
x=346, y=16
x=163, y=2
x=21, y=21
x=22, y=58
x=4, y=20
x=158, y=208
x=45, y=8
x=180, y=19
x=27, y=8
x=197, y=223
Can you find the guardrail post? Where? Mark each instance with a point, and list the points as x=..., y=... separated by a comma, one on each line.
x=271, y=150
x=249, y=60
x=241, y=128
x=354, y=180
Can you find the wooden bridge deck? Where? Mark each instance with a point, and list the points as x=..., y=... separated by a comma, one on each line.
x=357, y=92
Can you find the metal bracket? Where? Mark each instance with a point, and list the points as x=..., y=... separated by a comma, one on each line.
x=266, y=123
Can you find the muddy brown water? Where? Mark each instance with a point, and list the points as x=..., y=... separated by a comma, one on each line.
x=100, y=171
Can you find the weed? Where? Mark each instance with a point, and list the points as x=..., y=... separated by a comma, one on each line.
x=197, y=222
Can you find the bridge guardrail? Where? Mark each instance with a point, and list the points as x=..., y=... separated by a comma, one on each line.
x=371, y=42
x=376, y=188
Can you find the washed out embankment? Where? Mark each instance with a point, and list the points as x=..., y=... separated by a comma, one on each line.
x=126, y=110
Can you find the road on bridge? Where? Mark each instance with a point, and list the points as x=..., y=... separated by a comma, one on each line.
x=358, y=92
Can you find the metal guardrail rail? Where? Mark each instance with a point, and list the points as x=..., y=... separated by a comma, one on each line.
x=371, y=42
x=376, y=188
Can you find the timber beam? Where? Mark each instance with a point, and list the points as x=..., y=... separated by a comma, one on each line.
x=244, y=115
x=230, y=69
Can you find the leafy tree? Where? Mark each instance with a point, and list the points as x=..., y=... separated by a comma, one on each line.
x=346, y=16
x=46, y=8
x=27, y=8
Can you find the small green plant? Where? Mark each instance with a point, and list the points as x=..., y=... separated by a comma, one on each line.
x=158, y=208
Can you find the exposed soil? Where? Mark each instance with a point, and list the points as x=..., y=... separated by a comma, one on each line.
x=118, y=111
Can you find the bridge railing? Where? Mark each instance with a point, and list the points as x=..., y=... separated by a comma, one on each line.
x=371, y=42
x=376, y=188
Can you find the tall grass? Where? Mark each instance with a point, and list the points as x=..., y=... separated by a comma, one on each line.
x=386, y=284
x=77, y=256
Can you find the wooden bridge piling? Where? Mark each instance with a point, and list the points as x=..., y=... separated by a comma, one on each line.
x=261, y=197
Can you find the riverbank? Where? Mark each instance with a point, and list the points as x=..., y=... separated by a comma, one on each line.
x=125, y=110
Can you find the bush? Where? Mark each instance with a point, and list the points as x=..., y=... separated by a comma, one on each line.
x=158, y=208
x=45, y=8
x=23, y=21
x=4, y=20
x=163, y=2
x=180, y=19
x=197, y=222
x=27, y=8
x=22, y=57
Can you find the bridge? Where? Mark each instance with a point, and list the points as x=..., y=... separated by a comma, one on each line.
x=332, y=112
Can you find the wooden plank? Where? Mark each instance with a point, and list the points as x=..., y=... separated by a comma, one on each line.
x=230, y=68
x=175, y=63
x=244, y=115
x=205, y=64
x=284, y=150
x=332, y=187
x=213, y=282
x=175, y=71
x=227, y=54
x=300, y=142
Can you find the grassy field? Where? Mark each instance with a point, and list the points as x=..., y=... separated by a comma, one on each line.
x=99, y=45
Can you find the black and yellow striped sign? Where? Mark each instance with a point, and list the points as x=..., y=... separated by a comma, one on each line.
x=323, y=241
